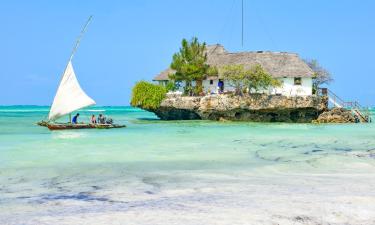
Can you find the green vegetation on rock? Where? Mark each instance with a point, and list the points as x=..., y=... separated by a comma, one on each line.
x=147, y=95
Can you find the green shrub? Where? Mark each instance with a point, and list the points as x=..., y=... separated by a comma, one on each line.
x=147, y=96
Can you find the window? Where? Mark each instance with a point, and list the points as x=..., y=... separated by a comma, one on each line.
x=211, y=82
x=297, y=81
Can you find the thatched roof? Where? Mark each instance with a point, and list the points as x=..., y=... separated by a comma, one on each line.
x=164, y=74
x=278, y=64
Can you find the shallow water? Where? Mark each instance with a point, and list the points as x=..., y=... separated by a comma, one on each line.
x=184, y=172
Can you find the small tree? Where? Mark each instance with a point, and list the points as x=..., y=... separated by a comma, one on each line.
x=259, y=79
x=321, y=75
x=190, y=64
x=255, y=78
x=236, y=76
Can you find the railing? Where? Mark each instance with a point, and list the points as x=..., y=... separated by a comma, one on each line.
x=361, y=112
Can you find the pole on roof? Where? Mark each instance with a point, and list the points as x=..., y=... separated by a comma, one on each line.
x=242, y=26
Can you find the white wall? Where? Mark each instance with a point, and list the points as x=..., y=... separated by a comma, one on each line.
x=213, y=88
x=287, y=88
x=228, y=87
x=210, y=88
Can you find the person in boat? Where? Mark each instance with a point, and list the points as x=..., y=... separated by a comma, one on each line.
x=101, y=119
x=109, y=121
x=93, y=119
x=75, y=119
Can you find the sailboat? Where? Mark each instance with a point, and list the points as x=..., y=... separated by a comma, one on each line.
x=71, y=97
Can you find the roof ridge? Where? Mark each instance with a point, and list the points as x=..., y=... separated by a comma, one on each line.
x=264, y=52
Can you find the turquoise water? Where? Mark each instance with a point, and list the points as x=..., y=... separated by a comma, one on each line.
x=184, y=172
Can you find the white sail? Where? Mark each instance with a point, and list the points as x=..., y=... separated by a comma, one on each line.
x=69, y=96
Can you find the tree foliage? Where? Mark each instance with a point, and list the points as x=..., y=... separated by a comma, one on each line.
x=190, y=63
x=171, y=86
x=255, y=78
x=259, y=79
x=236, y=76
x=212, y=71
x=321, y=75
x=147, y=95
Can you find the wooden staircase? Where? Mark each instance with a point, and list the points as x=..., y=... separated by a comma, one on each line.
x=360, y=112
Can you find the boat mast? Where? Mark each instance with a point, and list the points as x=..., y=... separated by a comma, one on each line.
x=79, y=38
x=76, y=47
x=74, y=51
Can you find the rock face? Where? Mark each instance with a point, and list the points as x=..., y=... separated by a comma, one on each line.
x=256, y=107
x=336, y=115
x=179, y=108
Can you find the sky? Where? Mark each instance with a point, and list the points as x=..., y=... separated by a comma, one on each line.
x=129, y=41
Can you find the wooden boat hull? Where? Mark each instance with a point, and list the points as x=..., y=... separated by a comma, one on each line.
x=70, y=126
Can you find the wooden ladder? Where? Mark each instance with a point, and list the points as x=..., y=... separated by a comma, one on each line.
x=362, y=113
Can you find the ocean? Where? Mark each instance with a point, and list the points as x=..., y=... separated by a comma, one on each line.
x=183, y=172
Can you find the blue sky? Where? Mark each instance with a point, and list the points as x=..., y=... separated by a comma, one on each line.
x=129, y=41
